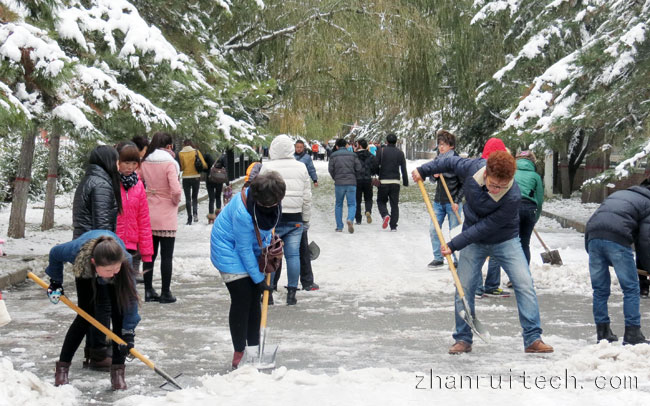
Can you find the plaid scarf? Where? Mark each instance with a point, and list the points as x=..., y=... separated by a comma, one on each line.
x=128, y=181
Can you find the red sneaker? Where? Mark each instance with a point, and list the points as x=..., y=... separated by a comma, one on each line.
x=386, y=221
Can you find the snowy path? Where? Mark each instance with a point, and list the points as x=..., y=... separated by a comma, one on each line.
x=380, y=320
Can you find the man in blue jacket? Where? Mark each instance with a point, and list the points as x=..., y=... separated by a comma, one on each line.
x=491, y=229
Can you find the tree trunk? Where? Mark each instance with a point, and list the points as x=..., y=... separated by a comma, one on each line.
x=565, y=179
x=50, y=189
x=21, y=186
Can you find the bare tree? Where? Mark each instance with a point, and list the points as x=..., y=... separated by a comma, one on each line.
x=50, y=189
x=21, y=185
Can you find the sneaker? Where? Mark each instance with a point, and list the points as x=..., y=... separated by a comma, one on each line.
x=461, y=347
x=497, y=293
x=644, y=292
x=436, y=263
x=357, y=223
x=509, y=285
x=385, y=223
x=350, y=227
x=313, y=286
x=480, y=294
x=368, y=217
x=538, y=347
x=338, y=230
x=393, y=230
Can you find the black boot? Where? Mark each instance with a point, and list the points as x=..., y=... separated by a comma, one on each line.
x=603, y=332
x=633, y=336
x=189, y=220
x=150, y=295
x=291, y=296
x=167, y=297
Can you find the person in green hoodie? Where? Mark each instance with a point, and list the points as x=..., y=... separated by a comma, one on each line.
x=532, y=197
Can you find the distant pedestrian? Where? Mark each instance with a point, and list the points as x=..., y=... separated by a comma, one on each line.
x=300, y=154
x=391, y=161
x=369, y=168
x=344, y=166
x=191, y=178
x=215, y=188
x=234, y=249
x=620, y=223
x=160, y=173
x=306, y=271
x=142, y=143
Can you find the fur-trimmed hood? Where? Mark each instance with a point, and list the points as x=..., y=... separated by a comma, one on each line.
x=82, y=267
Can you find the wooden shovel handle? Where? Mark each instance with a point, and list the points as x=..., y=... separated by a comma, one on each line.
x=265, y=303
x=444, y=184
x=541, y=241
x=450, y=261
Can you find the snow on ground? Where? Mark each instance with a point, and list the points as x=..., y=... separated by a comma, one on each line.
x=375, y=334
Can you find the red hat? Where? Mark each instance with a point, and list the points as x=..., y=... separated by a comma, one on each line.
x=493, y=144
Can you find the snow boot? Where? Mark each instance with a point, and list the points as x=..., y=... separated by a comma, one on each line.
x=97, y=359
x=633, y=336
x=61, y=373
x=167, y=297
x=150, y=295
x=603, y=332
x=211, y=218
x=291, y=296
x=117, y=377
x=189, y=221
x=236, y=359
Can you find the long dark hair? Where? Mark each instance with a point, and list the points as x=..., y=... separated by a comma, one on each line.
x=159, y=140
x=106, y=157
x=107, y=251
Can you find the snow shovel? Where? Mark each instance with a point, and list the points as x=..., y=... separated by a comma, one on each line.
x=466, y=314
x=549, y=257
x=99, y=326
x=5, y=318
x=314, y=251
x=262, y=356
x=444, y=184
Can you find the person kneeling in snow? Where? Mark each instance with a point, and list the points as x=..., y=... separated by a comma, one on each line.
x=234, y=248
x=491, y=229
x=622, y=220
x=99, y=258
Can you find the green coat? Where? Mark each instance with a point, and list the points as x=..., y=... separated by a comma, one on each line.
x=530, y=184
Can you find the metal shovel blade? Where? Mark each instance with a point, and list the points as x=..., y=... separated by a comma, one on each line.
x=551, y=257
x=178, y=382
x=261, y=356
x=474, y=323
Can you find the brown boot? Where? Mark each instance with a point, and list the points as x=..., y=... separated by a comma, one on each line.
x=117, y=377
x=61, y=373
x=97, y=359
x=538, y=346
x=236, y=358
x=460, y=347
x=211, y=218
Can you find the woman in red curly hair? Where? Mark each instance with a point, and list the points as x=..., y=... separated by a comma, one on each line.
x=491, y=229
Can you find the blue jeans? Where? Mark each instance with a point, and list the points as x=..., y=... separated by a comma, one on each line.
x=511, y=257
x=442, y=210
x=291, y=234
x=492, y=279
x=350, y=194
x=602, y=255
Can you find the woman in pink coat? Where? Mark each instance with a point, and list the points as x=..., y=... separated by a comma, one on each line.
x=159, y=173
x=133, y=224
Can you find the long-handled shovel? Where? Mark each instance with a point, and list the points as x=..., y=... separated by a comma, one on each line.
x=466, y=314
x=262, y=356
x=548, y=257
x=444, y=184
x=108, y=333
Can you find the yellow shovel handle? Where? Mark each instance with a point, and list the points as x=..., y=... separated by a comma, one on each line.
x=450, y=261
x=444, y=184
x=265, y=303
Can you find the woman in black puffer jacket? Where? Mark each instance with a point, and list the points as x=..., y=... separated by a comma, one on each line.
x=97, y=201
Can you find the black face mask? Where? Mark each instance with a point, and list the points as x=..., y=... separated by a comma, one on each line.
x=266, y=217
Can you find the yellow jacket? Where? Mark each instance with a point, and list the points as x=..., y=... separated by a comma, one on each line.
x=186, y=158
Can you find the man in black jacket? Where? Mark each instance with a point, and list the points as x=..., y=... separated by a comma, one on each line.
x=391, y=160
x=441, y=204
x=622, y=220
x=344, y=167
x=364, y=180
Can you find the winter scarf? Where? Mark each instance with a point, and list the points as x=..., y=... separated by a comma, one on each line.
x=128, y=181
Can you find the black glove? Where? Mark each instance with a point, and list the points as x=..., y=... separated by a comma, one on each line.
x=129, y=338
x=262, y=286
x=54, y=291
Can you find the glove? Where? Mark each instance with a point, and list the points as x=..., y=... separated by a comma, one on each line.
x=129, y=338
x=262, y=286
x=54, y=291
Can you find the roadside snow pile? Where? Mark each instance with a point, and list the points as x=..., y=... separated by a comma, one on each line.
x=25, y=388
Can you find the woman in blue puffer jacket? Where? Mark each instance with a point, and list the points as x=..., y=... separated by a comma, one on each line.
x=234, y=249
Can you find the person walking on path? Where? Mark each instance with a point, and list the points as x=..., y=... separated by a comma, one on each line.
x=364, y=181
x=306, y=271
x=300, y=154
x=296, y=205
x=391, y=161
x=234, y=249
x=98, y=258
x=97, y=202
x=215, y=189
x=159, y=172
x=621, y=221
x=441, y=204
x=133, y=224
x=191, y=178
x=491, y=228
x=344, y=166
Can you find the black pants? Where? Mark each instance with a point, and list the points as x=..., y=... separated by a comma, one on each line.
x=191, y=189
x=166, y=257
x=214, y=194
x=245, y=313
x=96, y=343
x=384, y=194
x=364, y=188
x=527, y=220
x=306, y=273
x=86, y=296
